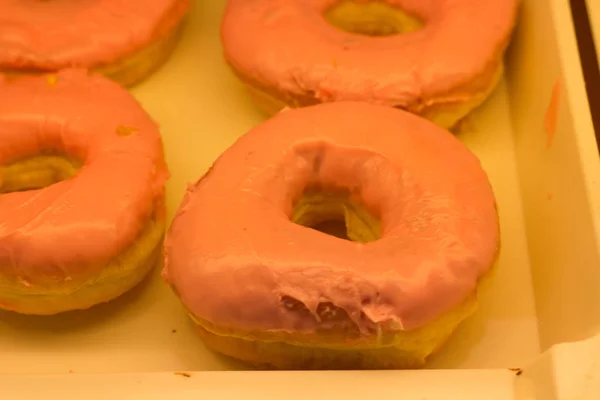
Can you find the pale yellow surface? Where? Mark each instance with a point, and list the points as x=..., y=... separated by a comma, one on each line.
x=559, y=177
x=202, y=109
x=350, y=385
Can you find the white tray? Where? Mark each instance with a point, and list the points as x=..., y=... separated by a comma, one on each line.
x=546, y=290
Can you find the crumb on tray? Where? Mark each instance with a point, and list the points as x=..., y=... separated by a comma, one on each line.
x=517, y=371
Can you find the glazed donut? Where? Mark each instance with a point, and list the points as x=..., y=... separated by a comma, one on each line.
x=444, y=60
x=82, y=178
x=126, y=41
x=265, y=288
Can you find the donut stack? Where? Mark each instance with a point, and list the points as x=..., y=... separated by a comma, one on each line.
x=359, y=229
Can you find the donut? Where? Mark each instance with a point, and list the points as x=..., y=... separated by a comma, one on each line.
x=126, y=41
x=264, y=285
x=82, y=177
x=439, y=59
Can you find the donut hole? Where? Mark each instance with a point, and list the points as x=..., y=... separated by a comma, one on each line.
x=336, y=214
x=371, y=18
x=36, y=172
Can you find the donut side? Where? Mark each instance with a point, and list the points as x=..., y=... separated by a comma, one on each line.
x=141, y=64
x=72, y=233
x=330, y=350
x=265, y=289
x=446, y=111
x=407, y=350
x=117, y=277
x=137, y=64
x=443, y=80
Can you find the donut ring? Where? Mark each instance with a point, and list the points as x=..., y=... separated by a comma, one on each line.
x=46, y=36
x=81, y=192
x=289, y=55
x=419, y=210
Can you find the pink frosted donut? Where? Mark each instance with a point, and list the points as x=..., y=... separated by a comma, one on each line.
x=82, y=179
x=265, y=288
x=125, y=40
x=289, y=55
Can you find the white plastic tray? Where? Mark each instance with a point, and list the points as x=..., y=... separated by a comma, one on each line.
x=546, y=290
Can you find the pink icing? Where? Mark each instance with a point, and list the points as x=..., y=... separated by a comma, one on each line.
x=57, y=34
x=289, y=47
x=551, y=117
x=74, y=227
x=232, y=253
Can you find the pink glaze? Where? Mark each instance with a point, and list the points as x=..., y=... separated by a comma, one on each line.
x=51, y=35
x=75, y=227
x=232, y=253
x=288, y=46
x=551, y=117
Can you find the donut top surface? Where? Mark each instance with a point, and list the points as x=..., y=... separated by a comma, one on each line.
x=76, y=226
x=233, y=253
x=56, y=34
x=289, y=46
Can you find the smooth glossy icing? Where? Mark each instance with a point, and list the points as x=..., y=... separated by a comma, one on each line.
x=233, y=255
x=56, y=34
x=287, y=46
x=76, y=226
